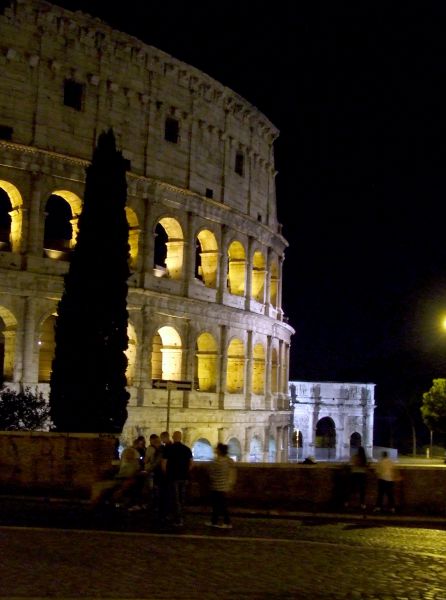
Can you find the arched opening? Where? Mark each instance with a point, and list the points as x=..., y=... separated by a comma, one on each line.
x=169, y=249
x=258, y=369
x=235, y=375
x=295, y=451
x=206, y=363
x=272, y=450
x=355, y=441
x=166, y=355
x=8, y=327
x=236, y=269
x=235, y=449
x=134, y=231
x=202, y=450
x=255, y=450
x=131, y=354
x=12, y=216
x=58, y=229
x=206, y=258
x=46, y=348
x=274, y=284
x=274, y=372
x=325, y=439
x=5, y=221
x=258, y=277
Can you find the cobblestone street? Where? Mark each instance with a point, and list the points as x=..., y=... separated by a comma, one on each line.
x=260, y=558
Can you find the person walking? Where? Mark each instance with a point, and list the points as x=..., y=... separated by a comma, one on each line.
x=358, y=477
x=176, y=464
x=222, y=478
x=385, y=471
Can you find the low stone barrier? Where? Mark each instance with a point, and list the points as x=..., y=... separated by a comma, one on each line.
x=69, y=464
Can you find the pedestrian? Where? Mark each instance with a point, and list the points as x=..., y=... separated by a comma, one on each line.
x=152, y=466
x=222, y=479
x=358, y=477
x=386, y=473
x=177, y=463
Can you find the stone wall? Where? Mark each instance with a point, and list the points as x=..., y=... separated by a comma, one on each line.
x=68, y=464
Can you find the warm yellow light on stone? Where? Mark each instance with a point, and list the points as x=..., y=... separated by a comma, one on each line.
x=8, y=329
x=167, y=353
x=134, y=231
x=131, y=354
x=258, y=277
x=236, y=269
x=206, y=366
x=258, y=369
x=46, y=348
x=76, y=207
x=273, y=287
x=16, y=213
x=209, y=257
x=175, y=247
x=235, y=375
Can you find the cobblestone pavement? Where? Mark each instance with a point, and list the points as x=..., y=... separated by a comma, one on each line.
x=260, y=558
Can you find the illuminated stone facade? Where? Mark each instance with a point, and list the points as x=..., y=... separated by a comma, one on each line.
x=206, y=247
x=331, y=419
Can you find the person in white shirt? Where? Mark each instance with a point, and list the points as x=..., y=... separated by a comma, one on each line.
x=385, y=471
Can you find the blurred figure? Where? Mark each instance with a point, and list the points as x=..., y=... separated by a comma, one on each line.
x=222, y=477
x=386, y=473
x=358, y=477
x=177, y=463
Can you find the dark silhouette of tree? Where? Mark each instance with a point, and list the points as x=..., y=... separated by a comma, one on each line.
x=23, y=411
x=88, y=382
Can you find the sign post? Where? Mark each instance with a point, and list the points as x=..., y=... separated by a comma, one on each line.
x=164, y=384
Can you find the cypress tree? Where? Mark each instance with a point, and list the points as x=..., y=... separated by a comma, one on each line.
x=88, y=372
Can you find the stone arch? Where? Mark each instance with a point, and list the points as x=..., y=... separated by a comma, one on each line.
x=235, y=374
x=167, y=354
x=131, y=353
x=8, y=330
x=355, y=440
x=134, y=231
x=258, y=277
x=169, y=248
x=46, y=343
x=258, y=369
x=255, y=449
x=58, y=230
x=325, y=438
x=75, y=204
x=202, y=450
x=236, y=268
x=274, y=283
x=206, y=258
x=14, y=203
x=206, y=362
x=235, y=449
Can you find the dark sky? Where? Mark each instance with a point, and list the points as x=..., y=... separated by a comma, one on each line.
x=358, y=92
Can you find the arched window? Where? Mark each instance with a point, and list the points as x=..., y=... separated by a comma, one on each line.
x=206, y=258
x=166, y=355
x=234, y=449
x=206, y=363
x=325, y=439
x=169, y=249
x=58, y=229
x=236, y=367
x=5, y=221
x=134, y=231
x=355, y=440
x=258, y=277
x=46, y=348
x=236, y=269
x=258, y=369
x=202, y=450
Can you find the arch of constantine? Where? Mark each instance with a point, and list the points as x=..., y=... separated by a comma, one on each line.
x=331, y=419
x=205, y=300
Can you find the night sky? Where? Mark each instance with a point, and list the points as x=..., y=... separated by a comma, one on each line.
x=358, y=92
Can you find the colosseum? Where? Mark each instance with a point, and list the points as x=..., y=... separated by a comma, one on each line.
x=208, y=342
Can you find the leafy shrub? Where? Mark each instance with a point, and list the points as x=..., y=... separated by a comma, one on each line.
x=23, y=411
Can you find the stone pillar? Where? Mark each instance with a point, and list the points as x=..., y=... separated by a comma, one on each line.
x=189, y=253
x=223, y=359
x=248, y=273
x=248, y=371
x=279, y=289
x=222, y=285
x=268, y=368
x=246, y=444
x=148, y=245
x=33, y=226
x=30, y=374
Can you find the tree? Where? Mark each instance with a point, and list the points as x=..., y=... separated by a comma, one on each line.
x=23, y=410
x=88, y=383
x=433, y=409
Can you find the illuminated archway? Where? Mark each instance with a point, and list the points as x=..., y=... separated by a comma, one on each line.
x=58, y=231
x=15, y=202
x=8, y=329
x=166, y=354
x=258, y=277
x=234, y=449
x=274, y=283
x=169, y=248
x=202, y=450
x=76, y=207
x=206, y=259
x=258, y=369
x=325, y=438
x=236, y=367
x=134, y=231
x=206, y=363
x=46, y=348
x=236, y=269
x=131, y=354
x=255, y=450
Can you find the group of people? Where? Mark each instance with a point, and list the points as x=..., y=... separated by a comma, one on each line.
x=156, y=477
x=386, y=476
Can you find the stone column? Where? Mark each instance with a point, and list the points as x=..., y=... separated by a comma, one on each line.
x=248, y=371
x=189, y=253
x=268, y=368
x=33, y=224
x=30, y=374
x=223, y=359
x=248, y=273
x=222, y=283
